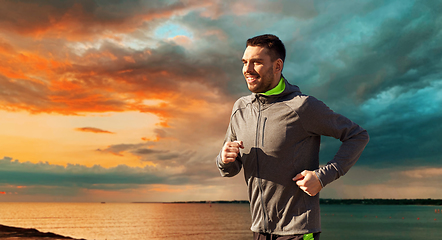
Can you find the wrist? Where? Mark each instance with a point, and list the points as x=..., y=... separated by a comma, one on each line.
x=319, y=179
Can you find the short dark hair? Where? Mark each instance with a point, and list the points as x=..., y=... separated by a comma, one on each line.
x=271, y=42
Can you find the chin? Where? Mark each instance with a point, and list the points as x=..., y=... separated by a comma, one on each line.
x=252, y=89
x=255, y=90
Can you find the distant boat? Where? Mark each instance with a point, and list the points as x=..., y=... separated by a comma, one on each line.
x=103, y=202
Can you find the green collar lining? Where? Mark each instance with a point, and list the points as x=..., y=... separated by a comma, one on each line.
x=278, y=89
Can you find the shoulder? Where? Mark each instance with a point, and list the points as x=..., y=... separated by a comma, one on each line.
x=294, y=98
x=306, y=105
x=298, y=101
x=312, y=102
x=242, y=103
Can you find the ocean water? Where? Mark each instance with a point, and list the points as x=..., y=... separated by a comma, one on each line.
x=127, y=221
x=392, y=222
x=130, y=221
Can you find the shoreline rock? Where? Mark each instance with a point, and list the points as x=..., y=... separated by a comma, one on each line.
x=7, y=232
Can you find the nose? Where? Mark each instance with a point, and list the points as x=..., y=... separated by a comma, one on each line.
x=248, y=68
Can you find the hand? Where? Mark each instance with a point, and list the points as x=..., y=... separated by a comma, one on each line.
x=308, y=182
x=230, y=151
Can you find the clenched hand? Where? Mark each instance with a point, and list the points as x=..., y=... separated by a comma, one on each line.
x=230, y=151
x=308, y=182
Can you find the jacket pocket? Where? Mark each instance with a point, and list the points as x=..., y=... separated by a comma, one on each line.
x=263, y=131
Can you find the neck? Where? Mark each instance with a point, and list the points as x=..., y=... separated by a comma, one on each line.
x=279, y=88
x=276, y=80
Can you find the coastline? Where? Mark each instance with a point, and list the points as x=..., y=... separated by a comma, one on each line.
x=16, y=233
x=330, y=201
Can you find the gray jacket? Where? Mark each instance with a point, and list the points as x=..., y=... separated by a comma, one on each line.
x=281, y=135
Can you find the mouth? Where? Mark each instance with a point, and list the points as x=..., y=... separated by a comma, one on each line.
x=251, y=78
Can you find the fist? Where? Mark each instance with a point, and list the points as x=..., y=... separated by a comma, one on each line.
x=308, y=182
x=230, y=151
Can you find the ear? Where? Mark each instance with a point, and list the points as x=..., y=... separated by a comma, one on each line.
x=279, y=64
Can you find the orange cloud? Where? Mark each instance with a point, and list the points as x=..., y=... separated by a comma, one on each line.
x=44, y=71
x=91, y=83
x=93, y=130
x=129, y=59
x=29, y=66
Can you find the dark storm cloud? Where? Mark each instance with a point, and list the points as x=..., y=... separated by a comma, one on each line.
x=406, y=127
x=402, y=51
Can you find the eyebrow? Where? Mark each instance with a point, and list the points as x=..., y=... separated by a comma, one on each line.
x=254, y=59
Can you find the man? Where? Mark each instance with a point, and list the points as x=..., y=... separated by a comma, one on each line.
x=274, y=133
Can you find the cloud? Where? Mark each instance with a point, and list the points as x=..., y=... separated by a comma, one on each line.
x=81, y=20
x=88, y=76
x=216, y=9
x=397, y=49
x=78, y=182
x=164, y=154
x=118, y=149
x=103, y=80
x=399, y=182
x=96, y=177
x=402, y=124
x=424, y=173
x=146, y=151
x=93, y=130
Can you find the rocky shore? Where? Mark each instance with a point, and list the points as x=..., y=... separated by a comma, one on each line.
x=15, y=233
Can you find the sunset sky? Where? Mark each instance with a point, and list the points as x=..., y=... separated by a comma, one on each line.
x=123, y=101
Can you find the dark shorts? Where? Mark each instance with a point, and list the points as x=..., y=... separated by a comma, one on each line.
x=267, y=236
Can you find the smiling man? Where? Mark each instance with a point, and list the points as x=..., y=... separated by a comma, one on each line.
x=274, y=134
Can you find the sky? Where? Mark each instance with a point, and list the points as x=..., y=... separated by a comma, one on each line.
x=129, y=101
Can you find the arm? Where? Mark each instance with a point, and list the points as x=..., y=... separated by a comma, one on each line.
x=318, y=119
x=229, y=160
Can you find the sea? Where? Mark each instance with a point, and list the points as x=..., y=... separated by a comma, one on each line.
x=185, y=221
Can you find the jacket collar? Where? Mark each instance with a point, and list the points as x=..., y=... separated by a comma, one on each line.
x=268, y=99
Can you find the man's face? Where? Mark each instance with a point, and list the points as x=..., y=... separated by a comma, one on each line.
x=258, y=69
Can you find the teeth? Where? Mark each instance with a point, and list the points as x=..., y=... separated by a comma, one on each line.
x=251, y=78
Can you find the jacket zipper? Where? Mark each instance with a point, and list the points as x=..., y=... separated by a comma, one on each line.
x=264, y=210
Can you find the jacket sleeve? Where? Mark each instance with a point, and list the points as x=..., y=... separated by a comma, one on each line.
x=318, y=119
x=233, y=168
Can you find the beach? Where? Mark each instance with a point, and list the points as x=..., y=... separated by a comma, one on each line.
x=15, y=233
